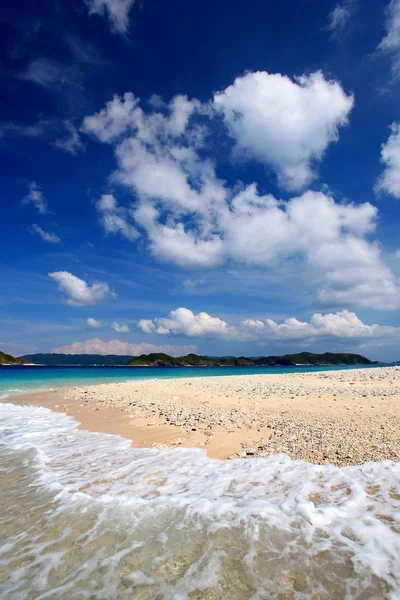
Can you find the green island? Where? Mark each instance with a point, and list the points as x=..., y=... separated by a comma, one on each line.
x=194, y=360
x=191, y=360
x=7, y=359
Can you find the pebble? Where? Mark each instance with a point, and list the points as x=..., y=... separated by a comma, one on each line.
x=339, y=435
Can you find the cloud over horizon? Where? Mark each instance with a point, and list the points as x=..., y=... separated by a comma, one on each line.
x=97, y=346
x=344, y=324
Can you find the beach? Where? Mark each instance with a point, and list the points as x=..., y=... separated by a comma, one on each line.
x=151, y=513
x=345, y=417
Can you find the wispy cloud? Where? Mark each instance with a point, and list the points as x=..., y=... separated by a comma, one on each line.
x=35, y=196
x=47, y=237
x=340, y=16
x=115, y=11
x=51, y=75
x=61, y=134
x=391, y=42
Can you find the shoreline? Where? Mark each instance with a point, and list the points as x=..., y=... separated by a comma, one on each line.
x=342, y=417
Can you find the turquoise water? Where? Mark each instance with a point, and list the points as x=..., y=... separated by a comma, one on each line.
x=24, y=379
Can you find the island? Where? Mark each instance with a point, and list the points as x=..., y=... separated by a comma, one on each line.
x=191, y=360
x=7, y=359
x=194, y=360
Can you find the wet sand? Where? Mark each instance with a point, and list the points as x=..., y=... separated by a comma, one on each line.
x=341, y=417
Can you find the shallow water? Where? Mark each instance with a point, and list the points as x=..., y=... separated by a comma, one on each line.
x=23, y=379
x=86, y=516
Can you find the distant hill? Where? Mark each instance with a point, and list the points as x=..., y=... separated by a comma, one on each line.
x=191, y=360
x=328, y=358
x=7, y=359
x=111, y=360
x=302, y=358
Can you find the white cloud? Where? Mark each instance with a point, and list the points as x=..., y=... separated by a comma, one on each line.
x=146, y=325
x=49, y=74
x=183, y=321
x=287, y=125
x=48, y=130
x=47, y=237
x=117, y=12
x=114, y=218
x=78, y=293
x=96, y=346
x=93, y=323
x=340, y=16
x=389, y=182
x=118, y=116
x=35, y=196
x=36, y=130
x=71, y=143
x=193, y=219
x=120, y=328
x=343, y=325
x=391, y=42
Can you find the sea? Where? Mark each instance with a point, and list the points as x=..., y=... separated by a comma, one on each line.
x=85, y=516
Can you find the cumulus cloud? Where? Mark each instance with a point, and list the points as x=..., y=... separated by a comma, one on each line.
x=183, y=321
x=190, y=216
x=391, y=42
x=285, y=124
x=47, y=237
x=115, y=218
x=36, y=197
x=343, y=324
x=92, y=322
x=77, y=292
x=389, y=182
x=120, y=328
x=116, y=11
x=97, y=346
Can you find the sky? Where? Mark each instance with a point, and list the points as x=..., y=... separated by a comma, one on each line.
x=215, y=177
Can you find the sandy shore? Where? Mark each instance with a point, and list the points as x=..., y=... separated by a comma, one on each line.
x=340, y=417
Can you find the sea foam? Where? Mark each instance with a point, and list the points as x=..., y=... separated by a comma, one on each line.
x=105, y=520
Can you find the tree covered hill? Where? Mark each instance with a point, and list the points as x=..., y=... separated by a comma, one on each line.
x=191, y=360
x=194, y=360
x=7, y=359
x=83, y=360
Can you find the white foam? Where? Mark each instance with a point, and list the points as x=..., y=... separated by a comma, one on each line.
x=351, y=511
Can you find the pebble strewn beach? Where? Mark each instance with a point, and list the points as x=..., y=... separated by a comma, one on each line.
x=340, y=417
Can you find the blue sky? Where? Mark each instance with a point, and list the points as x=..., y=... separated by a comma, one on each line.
x=211, y=177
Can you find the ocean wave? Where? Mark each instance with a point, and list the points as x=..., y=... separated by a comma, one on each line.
x=177, y=523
